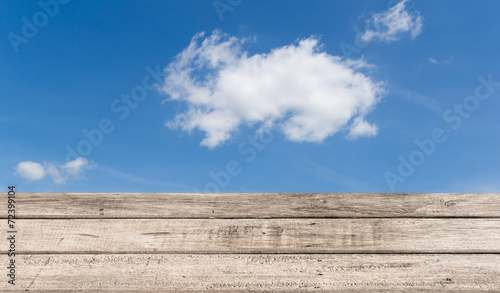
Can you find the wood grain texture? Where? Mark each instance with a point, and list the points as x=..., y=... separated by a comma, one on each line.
x=270, y=205
x=259, y=235
x=143, y=242
x=257, y=273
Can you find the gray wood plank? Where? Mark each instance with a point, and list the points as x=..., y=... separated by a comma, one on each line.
x=272, y=205
x=256, y=273
x=258, y=235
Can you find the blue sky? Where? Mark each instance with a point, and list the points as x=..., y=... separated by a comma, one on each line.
x=275, y=96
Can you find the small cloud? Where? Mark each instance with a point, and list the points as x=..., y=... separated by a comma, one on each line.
x=30, y=170
x=301, y=90
x=447, y=61
x=59, y=174
x=76, y=167
x=390, y=25
x=361, y=128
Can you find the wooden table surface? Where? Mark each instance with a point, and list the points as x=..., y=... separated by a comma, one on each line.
x=143, y=242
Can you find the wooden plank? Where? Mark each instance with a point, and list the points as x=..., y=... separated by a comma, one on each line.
x=257, y=273
x=272, y=205
x=258, y=235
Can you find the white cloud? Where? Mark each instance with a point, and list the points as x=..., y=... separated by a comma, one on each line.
x=54, y=172
x=76, y=167
x=59, y=174
x=447, y=61
x=30, y=170
x=390, y=25
x=306, y=92
x=362, y=128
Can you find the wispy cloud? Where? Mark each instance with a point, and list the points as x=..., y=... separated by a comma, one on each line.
x=435, y=61
x=59, y=173
x=129, y=177
x=306, y=92
x=133, y=178
x=487, y=183
x=327, y=174
x=427, y=102
x=392, y=24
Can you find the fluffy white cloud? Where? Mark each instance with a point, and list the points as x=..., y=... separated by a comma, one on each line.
x=30, y=170
x=390, y=25
x=362, y=128
x=59, y=174
x=304, y=91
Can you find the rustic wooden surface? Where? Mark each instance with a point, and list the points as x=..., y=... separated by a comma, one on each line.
x=259, y=235
x=257, y=272
x=254, y=205
x=255, y=243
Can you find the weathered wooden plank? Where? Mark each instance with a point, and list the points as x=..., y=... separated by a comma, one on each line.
x=272, y=205
x=261, y=290
x=258, y=235
x=257, y=273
